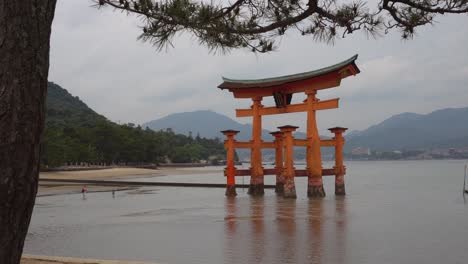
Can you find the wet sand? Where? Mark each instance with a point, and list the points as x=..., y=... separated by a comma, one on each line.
x=46, y=188
x=121, y=173
x=32, y=259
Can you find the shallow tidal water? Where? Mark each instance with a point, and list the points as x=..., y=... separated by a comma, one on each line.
x=394, y=212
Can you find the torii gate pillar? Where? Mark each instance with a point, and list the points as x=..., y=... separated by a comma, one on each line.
x=230, y=170
x=289, y=172
x=279, y=166
x=340, y=169
x=313, y=155
x=256, y=169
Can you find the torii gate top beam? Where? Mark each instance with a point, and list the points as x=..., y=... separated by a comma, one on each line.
x=283, y=87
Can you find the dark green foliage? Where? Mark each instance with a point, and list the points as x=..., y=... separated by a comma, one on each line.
x=256, y=24
x=63, y=109
x=75, y=133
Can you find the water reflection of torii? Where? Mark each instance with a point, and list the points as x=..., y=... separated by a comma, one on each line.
x=287, y=229
x=465, y=191
x=296, y=235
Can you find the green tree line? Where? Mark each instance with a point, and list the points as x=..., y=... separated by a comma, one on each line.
x=111, y=143
x=75, y=133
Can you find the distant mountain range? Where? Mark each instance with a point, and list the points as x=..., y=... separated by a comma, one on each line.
x=206, y=123
x=445, y=128
x=407, y=131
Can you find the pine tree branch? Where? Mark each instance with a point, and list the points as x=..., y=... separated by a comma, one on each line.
x=255, y=24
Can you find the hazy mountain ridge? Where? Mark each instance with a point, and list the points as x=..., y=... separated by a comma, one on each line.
x=444, y=128
x=206, y=123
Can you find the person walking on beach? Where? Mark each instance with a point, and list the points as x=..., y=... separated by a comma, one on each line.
x=84, y=190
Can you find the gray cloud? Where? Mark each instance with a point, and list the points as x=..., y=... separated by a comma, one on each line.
x=95, y=55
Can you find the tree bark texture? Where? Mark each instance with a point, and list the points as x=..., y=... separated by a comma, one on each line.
x=25, y=27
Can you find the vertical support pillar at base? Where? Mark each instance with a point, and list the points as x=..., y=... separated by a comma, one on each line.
x=340, y=169
x=279, y=187
x=315, y=187
x=231, y=191
x=289, y=172
x=256, y=187
x=289, y=190
x=231, y=180
x=313, y=155
x=279, y=166
x=230, y=170
x=339, y=185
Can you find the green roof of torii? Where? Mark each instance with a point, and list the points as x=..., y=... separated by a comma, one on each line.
x=268, y=82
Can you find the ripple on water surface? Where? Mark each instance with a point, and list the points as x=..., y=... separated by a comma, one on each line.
x=395, y=212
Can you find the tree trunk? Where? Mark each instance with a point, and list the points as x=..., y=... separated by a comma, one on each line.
x=25, y=27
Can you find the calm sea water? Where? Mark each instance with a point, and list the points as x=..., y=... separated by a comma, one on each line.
x=394, y=212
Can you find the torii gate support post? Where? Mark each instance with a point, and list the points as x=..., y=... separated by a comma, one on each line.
x=279, y=166
x=256, y=168
x=340, y=169
x=289, y=170
x=230, y=170
x=313, y=155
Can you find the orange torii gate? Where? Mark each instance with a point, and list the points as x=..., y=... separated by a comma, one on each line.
x=282, y=89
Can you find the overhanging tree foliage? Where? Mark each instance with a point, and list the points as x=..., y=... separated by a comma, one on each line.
x=25, y=27
x=255, y=24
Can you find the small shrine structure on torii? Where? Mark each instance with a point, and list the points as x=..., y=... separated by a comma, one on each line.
x=282, y=89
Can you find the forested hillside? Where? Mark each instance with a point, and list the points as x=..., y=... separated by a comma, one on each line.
x=75, y=133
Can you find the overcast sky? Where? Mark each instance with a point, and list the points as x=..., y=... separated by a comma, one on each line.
x=95, y=55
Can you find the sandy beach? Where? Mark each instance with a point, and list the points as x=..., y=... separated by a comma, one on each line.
x=32, y=259
x=47, y=188
x=121, y=172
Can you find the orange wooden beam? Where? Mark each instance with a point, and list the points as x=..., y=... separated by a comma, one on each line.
x=323, y=142
x=327, y=104
x=292, y=108
x=297, y=143
x=246, y=145
x=240, y=144
x=243, y=112
x=327, y=142
x=300, y=142
x=268, y=145
x=298, y=173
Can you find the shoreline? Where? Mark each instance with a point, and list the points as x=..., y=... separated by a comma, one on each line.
x=60, y=188
x=36, y=259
